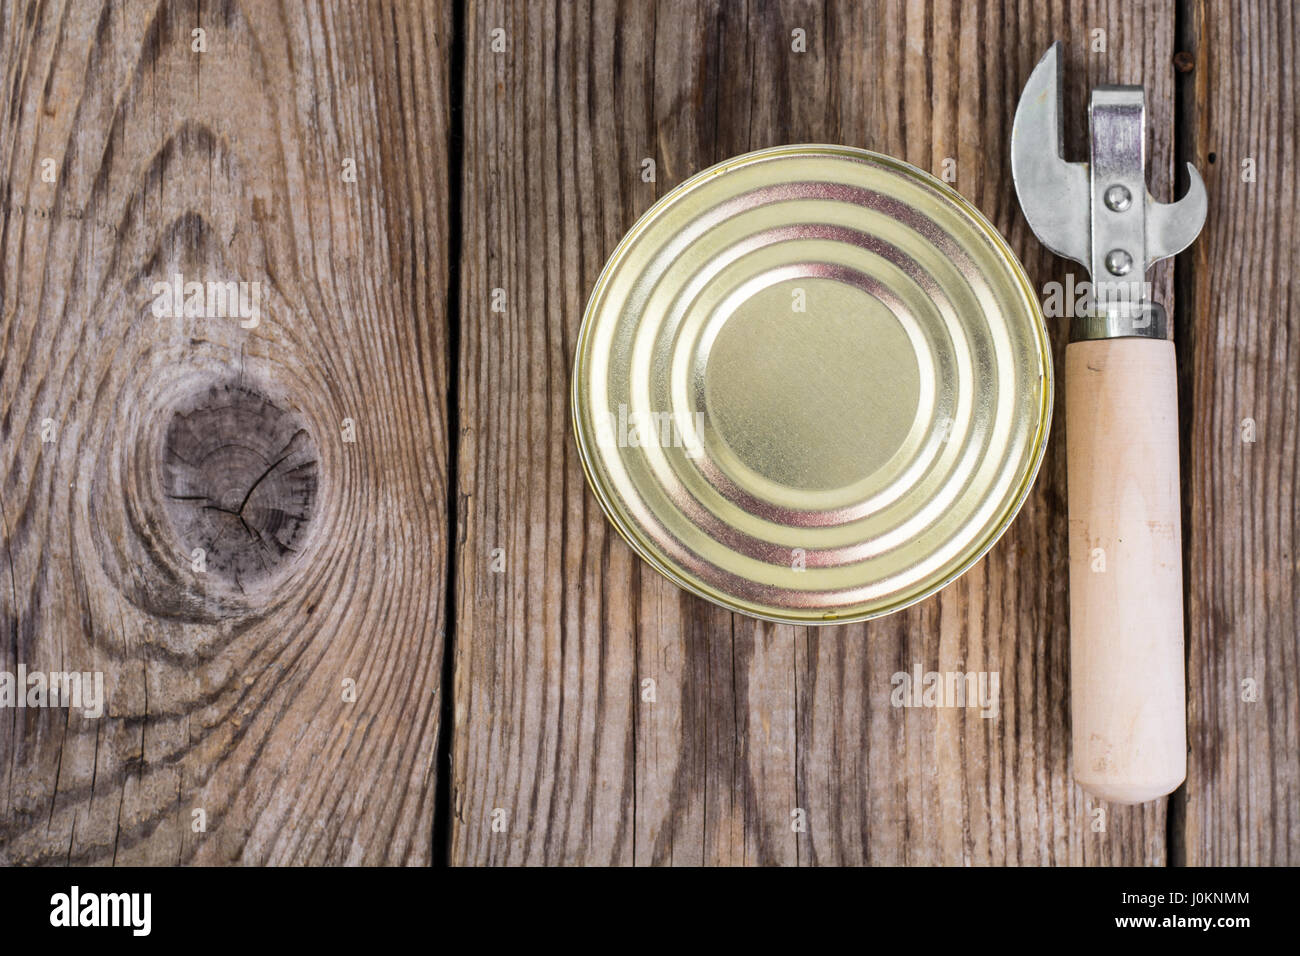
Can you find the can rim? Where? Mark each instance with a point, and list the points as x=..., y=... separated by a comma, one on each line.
x=1015, y=502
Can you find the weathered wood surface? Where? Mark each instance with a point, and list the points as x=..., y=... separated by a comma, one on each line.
x=750, y=721
x=328, y=560
x=325, y=558
x=1243, y=365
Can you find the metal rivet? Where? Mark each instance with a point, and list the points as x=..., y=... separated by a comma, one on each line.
x=1118, y=262
x=1118, y=198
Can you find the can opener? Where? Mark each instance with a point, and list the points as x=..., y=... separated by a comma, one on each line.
x=1129, y=728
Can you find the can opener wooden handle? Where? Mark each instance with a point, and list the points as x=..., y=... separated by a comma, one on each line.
x=1127, y=700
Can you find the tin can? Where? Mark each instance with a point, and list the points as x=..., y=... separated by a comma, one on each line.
x=812, y=384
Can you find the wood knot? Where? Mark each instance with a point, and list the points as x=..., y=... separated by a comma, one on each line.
x=240, y=476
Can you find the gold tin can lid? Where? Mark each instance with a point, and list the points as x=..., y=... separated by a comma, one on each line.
x=812, y=384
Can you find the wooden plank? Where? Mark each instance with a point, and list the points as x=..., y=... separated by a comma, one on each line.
x=559, y=625
x=949, y=787
x=1243, y=350
x=544, y=654
x=306, y=454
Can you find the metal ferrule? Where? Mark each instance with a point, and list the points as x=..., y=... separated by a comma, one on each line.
x=1148, y=320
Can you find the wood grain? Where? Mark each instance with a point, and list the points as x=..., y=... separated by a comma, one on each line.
x=306, y=454
x=128, y=440
x=559, y=625
x=1243, y=786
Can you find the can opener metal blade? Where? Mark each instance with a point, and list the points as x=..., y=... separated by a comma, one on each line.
x=1128, y=723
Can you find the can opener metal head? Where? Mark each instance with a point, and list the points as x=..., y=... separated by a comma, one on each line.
x=1099, y=213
